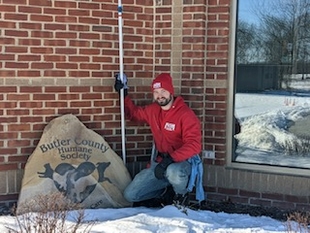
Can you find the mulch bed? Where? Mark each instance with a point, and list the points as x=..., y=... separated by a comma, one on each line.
x=255, y=211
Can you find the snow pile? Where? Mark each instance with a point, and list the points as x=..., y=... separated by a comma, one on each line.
x=269, y=131
x=168, y=219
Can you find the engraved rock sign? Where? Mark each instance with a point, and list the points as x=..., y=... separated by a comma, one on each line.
x=77, y=162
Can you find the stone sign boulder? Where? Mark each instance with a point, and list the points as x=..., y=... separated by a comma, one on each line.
x=77, y=162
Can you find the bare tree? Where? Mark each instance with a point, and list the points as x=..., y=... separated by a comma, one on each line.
x=281, y=35
x=247, y=49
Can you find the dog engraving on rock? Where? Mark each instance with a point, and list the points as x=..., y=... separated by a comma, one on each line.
x=76, y=183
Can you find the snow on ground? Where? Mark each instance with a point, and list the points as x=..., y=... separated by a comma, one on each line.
x=169, y=219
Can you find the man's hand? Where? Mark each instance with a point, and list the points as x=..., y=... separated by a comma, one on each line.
x=161, y=168
x=119, y=84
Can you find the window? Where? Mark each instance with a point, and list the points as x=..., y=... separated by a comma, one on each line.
x=272, y=83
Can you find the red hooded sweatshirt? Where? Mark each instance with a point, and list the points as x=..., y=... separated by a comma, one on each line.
x=176, y=131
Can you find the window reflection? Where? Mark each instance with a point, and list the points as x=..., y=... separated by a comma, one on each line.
x=272, y=83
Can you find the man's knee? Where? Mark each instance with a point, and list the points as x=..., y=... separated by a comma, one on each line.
x=171, y=170
x=129, y=194
x=176, y=174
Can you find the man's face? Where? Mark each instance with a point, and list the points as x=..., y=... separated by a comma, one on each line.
x=162, y=96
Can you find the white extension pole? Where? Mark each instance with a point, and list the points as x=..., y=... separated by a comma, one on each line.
x=121, y=72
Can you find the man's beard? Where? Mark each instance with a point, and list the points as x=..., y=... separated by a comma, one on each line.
x=164, y=101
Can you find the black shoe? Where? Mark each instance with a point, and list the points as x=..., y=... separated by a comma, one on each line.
x=167, y=196
x=181, y=199
x=151, y=203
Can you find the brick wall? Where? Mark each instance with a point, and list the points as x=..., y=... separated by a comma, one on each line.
x=59, y=57
x=249, y=187
x=218, y=33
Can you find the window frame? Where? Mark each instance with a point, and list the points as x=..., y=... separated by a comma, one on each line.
x=230, y=164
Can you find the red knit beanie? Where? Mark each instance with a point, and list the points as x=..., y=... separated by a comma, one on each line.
x=164, y=81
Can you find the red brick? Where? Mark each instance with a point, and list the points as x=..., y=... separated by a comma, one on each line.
x=283, y=205
x=17, y=112
x=38, y=96
x=18, y=158
x=18, y=97
x=79, y=12
x=80, y=89
x=68, y=111
x=92, y=111
x=92, y=96
x=29, y=9
x=31, y=135
x=103, y=117
x=47, y=112
x=41, y=18
x=17, y=65
x=55, y=42
x=79, y=104
x=41, y=2
x=31, y=104
x=55, y=26
x=8, y=135
x=7, y=104
x=8, y=151
x=228, y=191
x=68, y=96
x=260, y=202
x=92, y=125
x=10, y=8
x=246, y=193
x=18, y=127
x=54, y=11
x=31, y=89
x=40, y=126
x=8, y=166
x=273, y=196
x=27, y=151
x=28, y=73
x=7, y=57
x=56, y=104
x=65, y=4
x=79, y=74
x=90, y=66
x=41, y=50
x=55, y=89
x=9, y=197
x=54, y=73
x=17, y=17
x=300, y=199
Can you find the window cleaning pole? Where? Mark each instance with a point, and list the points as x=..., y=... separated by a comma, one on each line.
x=121, y=72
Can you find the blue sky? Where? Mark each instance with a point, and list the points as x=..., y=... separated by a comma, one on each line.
x=246, y=11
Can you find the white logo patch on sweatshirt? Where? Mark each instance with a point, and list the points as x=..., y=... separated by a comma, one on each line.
x=169, y=126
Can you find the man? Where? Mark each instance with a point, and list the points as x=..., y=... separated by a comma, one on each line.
x=177, y=136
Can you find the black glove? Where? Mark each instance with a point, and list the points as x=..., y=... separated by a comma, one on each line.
x=118, y=85
x=160, y=168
